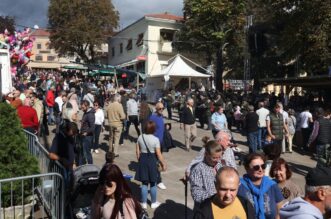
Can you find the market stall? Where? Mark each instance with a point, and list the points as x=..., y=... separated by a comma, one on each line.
x=177, y=75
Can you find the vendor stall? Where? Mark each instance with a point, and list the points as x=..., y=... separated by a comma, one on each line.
x=177, y=75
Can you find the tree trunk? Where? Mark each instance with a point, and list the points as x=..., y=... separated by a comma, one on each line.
x=219, y=70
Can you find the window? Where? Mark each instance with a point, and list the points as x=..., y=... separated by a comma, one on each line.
x=167, y=35
x=47, y=45
x=39, y=57
x=50, y=58
x=140, y=40
x=113, y=52
x=121, y=48
x=39, y=46
x=129, y=46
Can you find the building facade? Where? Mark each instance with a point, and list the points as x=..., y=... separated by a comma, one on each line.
x=43, y=56
x=146, y=45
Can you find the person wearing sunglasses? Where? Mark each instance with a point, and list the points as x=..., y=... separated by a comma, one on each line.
x=157, y=118
x=113, y=197
x=260, y=190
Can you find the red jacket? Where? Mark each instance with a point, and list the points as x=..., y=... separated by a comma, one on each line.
x=50, y=98
x=28, y=117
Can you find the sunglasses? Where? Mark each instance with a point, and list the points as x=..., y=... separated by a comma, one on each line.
x=96, y=105
x=160, y=109
x=108, y=184
x=257, y=167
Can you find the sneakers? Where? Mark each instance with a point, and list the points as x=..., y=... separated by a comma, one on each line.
x=161, y=186
x=155, y=205
x=96, y=151
x=144, y=205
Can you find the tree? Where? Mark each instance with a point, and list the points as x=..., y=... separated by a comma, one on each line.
x=303, y=30
x=216, y=28
x=15, y=159
x=7, y=22
x=79, y=27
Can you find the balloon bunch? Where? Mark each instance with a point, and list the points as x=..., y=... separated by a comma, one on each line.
x=20, y=47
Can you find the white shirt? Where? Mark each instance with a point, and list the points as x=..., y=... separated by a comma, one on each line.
x=132, y=107
x=99, y=117
x=304, y=119
x=262, y=113
x=285, y=116
x=59, y=102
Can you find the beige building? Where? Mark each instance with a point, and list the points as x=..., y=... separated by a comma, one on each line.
x=146, y=45
x=43, y=57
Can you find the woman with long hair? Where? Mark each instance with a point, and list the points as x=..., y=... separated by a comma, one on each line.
x=113, y=198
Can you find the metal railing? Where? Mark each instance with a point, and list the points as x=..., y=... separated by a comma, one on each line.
x=46, y=165
x=36, y=196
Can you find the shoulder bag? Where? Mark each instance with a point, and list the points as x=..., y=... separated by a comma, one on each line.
x=158, y=164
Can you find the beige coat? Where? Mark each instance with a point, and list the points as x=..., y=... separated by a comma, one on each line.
x=115, y=114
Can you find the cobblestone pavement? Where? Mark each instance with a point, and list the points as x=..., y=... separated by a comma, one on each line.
x=173, y=198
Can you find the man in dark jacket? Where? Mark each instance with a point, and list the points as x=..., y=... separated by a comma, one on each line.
x=252, y=129
x=225, y=203
x=62, y=149
x=188, y=121
x=87, y=132
x=321, y=133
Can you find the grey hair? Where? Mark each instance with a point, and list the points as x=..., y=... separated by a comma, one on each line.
x=189, y=100
x=117, y=97
x=218, y=135
x=313, y=189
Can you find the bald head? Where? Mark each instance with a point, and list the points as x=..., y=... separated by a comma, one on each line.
x=227, y=184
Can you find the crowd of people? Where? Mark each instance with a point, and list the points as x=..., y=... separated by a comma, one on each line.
x=271, y=124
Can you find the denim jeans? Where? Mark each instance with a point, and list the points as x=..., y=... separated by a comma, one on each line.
x=252, y=139
x=323, y=155
x=87, y=142
x=50, y=117
x=144, y=192
x=261, y=137
x=97, y=132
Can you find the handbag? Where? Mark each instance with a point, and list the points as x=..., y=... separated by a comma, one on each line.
x=158, y=163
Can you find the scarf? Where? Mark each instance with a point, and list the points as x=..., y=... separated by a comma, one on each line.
x=258, y=193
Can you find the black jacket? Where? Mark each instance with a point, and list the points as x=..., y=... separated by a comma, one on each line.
x=88, y=122
x=187, y=117
x=205, y=212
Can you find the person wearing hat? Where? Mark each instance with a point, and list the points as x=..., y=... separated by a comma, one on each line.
x=317, y=202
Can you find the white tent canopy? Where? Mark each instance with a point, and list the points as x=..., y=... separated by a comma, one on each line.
x=178, y=68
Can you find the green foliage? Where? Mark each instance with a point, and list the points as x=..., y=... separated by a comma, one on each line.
x=8, y=23
x=15, y=159
x=216, y=28
x=79, y=27
x=303, y=32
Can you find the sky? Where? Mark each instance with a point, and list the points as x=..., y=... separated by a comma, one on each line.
x=34, y=12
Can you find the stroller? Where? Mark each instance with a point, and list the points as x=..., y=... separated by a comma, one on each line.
x=85, y=183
